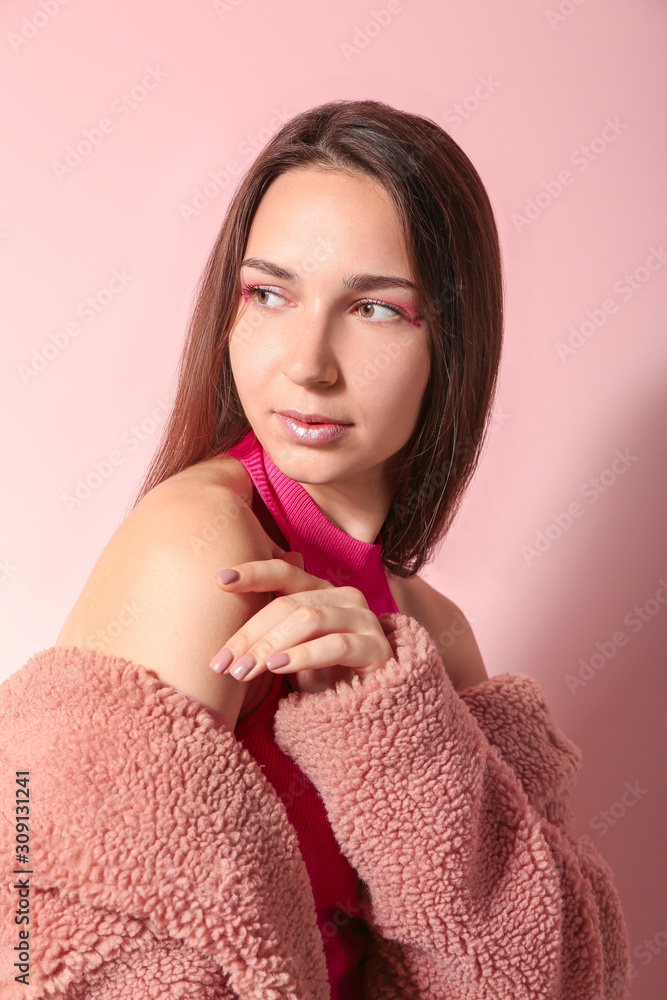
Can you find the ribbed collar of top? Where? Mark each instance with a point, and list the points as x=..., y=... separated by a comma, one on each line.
x=327, y=550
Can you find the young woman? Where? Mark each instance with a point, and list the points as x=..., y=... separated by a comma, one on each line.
x=264, y=780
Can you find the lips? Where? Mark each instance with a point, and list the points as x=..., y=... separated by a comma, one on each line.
x=313, y=418
x=312, y=433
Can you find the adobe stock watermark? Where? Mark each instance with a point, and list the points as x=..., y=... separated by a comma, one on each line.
x=455, y=116
x=608, y=818
x=7, y=569
x=341, y=916
x=458, y=627
x=211, y=529
x=32, y=24
x=88, y=310
x=224, y=7
x=364, y=34
x=591, y=491
x=581, y=158
x=625, y=288
x=298, y=786
x=121, y=107
x=384, y=359
x=635, y=620
x=437, y=481
x=649, y=947
x=130, y=440
x=127, y=615
x=565, y=9
x=648, y=950
x=246, y=151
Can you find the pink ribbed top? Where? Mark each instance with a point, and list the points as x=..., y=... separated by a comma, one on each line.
x=332, y=554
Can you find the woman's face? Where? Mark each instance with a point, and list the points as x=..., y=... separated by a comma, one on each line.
x=322, y=244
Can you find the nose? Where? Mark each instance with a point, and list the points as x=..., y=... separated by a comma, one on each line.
x=309, y=356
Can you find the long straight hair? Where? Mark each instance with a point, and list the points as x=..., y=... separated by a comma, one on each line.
x=454, y=253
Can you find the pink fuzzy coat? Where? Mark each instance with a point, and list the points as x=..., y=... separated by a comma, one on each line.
x=163, y=863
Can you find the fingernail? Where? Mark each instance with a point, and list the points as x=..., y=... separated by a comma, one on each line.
x=279, y=660
x=221, y=660
x=243, y=666
x=228, y=575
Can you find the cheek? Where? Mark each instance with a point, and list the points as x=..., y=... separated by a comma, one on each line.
x=397, y=374
x=252, y=357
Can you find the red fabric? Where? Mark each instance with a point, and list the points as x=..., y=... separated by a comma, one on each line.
x=333, y=555
x=334, y=882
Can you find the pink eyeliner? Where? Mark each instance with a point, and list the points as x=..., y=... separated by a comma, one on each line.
x=411, y=316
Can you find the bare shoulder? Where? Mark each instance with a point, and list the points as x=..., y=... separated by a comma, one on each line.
x=223, y=471
x=446, y=624
x=191, y=512
x=151, y=596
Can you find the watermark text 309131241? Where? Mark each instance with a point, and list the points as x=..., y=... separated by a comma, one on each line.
x=22, y=872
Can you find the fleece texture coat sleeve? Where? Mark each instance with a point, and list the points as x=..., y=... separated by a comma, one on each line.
x=164, y=865
x=450, y=807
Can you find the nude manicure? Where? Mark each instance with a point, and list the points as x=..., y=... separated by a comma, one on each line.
x=243, y=666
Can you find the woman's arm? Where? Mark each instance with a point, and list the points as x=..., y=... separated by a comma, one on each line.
x=152, y=599
x=468, y=887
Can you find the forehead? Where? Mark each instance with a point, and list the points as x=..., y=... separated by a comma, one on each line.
x=338, y=218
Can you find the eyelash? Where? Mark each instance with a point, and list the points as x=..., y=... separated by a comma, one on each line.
x=248, y=290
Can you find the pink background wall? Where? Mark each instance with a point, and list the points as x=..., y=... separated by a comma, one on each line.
x=555, y=101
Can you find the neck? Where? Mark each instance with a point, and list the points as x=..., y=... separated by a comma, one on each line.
x=334, y=525
x=358, y=506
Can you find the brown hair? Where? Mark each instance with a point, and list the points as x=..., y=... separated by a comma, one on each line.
x=454, y=254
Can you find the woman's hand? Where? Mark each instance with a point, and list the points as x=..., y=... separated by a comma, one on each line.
x=320, y=633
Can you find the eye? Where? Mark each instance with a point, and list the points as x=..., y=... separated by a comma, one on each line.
x=390, y=312
x=255, y=291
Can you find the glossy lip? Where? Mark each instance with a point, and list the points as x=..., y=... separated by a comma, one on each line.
x=306, y=433
x=312, y=418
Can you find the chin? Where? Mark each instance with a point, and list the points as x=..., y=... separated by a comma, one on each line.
x=308, y=464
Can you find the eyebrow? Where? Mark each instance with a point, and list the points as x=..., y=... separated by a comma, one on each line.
x=355, y=282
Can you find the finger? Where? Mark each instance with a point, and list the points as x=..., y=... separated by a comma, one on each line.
x=359, y=651
x=305, y=623
x=277, y=551
x=289, y=555
x=272, y=575
x=272, y=617
x=295, y=558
